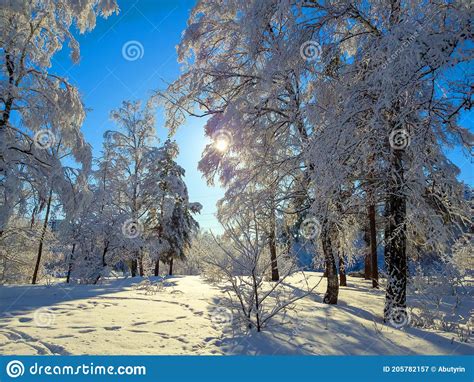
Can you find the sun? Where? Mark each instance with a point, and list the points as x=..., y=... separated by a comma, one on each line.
x=221, y=144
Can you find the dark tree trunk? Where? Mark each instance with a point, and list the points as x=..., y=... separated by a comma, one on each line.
x=157, y=267
x=133, y=267
x=342, y=272
x=273, y=253
x=104, y=263
x=367, y=270
x=69, y=268
x=386, y=235
x=373, y=248
x=171, y=268
x=395, y=297
x=140, y=266
x=332, y=289
x=10, y=66
x=104, y=253
x=43, y=234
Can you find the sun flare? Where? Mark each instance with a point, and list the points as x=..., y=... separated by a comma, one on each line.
x=221, y=145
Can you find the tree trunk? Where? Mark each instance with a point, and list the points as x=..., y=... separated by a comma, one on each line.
x=386, y=235
x=332, y=289
x=140, y=266
x=104, y=253
x=342, y=272
x=273, y=252
x=43, y=234
x=104, y=263
x=171, y=268
x=367, y=270
x=133, y=267
x=69, y=268
x=157, y=267
x=373, y=248
x=395, y=297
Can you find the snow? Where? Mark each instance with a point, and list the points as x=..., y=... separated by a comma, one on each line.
x=116, y=318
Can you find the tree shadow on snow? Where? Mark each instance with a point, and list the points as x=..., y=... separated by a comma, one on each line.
x=19, y=300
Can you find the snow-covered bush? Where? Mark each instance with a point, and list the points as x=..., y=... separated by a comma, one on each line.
x=463, y=258
x=243, y=269
x=439, y=297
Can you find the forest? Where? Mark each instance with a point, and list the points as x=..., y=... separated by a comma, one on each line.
x=329, y=125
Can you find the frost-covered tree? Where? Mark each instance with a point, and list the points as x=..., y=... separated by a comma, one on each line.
x=255, y=105
x=39, y=108
x=351, y=82
x=133, y=182
x=171, y=223
x=395, y=112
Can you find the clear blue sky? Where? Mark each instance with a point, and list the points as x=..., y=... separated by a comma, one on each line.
x=105, y=78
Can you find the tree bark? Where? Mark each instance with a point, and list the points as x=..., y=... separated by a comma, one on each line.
x=373, y=247
x=140, y=266
x=133, y=267
x=69, y=268
x=104, y=263
x=157, y=267
x=367, y=270
x=395, y=297
x=273, y=252
x=43, y=234
x=171, y=268
x=332, y=289
x=342, y=272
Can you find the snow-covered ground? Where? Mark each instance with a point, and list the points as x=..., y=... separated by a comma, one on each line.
x=115, y=318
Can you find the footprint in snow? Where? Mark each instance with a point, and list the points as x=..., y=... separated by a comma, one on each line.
x=112, y=327
x=86, y=331
x=140, y=323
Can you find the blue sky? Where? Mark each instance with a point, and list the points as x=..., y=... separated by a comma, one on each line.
x=105, y=78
